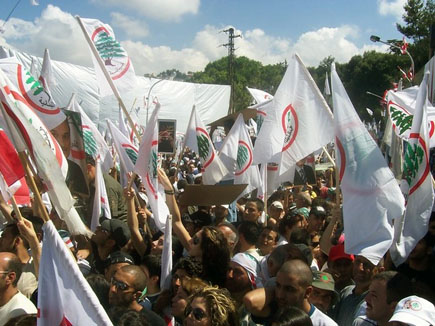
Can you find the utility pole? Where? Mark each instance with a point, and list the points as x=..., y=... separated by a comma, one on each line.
x=231, y=50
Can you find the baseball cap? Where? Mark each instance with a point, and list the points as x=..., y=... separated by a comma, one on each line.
x=318, y=211
x=337, y=252
x=414, y=311
x=277, y=204
x=118, y=257
x=118, y=230
x=325, y=281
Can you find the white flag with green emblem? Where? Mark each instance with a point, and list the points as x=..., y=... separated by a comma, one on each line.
x=32, y=90
x=146, y=168
x=236, y=154
x=115, y=59
x=126, y=150
x=198, y=139
x=94, y=142
x=413, y=226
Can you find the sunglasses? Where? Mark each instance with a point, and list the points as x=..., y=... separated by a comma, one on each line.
x=119, y=285
x=197, y=313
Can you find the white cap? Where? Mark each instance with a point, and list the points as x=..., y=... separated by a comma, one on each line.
x=277, y=204
x=414, y=311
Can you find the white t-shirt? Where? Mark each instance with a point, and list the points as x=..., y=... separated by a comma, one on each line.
x=320, y=319
x=18, y=305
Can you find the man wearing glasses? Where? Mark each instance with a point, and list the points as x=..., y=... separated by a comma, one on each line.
x=126, y=287
x=12, y=302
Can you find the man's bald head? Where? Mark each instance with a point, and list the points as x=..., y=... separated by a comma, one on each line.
x=9, y=262
x=298, y=269
x=140, y=279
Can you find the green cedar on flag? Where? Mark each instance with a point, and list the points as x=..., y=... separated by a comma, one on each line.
x=198, y=139
x=115, y=59
x=413, y=226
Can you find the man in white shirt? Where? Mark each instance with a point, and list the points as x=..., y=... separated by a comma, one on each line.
x=12, y=302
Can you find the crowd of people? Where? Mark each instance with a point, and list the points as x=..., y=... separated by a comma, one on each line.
x=243, y=263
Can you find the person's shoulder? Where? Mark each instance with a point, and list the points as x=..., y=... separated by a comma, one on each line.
x=20, y=302
x=153, y=318
x=363, y=321
x=321, y=319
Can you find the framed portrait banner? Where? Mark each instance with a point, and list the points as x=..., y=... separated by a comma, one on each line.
x=167, y=133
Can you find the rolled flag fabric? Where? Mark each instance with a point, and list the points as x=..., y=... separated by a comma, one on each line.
x=116, y=61
x=64, y=295
x=367, y=184
x=413, y=226
x=146, y=168
x=101, y=201
x=198, y=139
x=327, y=90
x=165, y=277
x=47, y=76
x=38, y=98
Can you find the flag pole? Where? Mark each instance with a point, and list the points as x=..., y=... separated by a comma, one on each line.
x=16, y=209
x=108, y=78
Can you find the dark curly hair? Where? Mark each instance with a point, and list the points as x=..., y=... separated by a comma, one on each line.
x=191, y=265
x=215, y=255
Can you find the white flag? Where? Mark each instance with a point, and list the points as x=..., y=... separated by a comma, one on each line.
x=146, y=168
x=115, y=59
x=93, y=140
x=122, y=126
x=327, y=90
x=420, y=197
x=47, y=76
x=371, y=195
x=198, y=139
x=33, y=91
x=237, y=155
x=101, y=201
x=26, y=128
x=64, y=297
x=298, y=122
x=259, y=95
x=165, y=277
x=262, y=191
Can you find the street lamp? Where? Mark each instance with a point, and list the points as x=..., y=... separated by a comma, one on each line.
x=375, y=39
x=171, y=77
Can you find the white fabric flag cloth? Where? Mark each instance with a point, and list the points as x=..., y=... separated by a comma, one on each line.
x=8, y=191
x=418, y=179
x=165, y=277
x=65, y=297
x=38, y=98
x=371, y=195
x=327, y=90
x=122, y=126
x=237, y=155
x=93, y=140
x=296, y=111
x=198, y=139
x=25, y=127
x=401, y=107
x=146, y=168
x=101, y=201
x=47, y=76
x=115, y=59
x=262, y=191
x=259, y=95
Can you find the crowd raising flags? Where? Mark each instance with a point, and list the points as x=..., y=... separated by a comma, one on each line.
x=378, y=215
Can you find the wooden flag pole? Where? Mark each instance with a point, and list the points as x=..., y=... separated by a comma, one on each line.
x=109, y=79
x=17, y=211
x=32, y=184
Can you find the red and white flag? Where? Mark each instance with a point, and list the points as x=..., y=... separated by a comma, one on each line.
x=64, y=295
x=259, y=95
x=101, y=201
x=115, y=59
x=298, y=123
x=198, y=139
x=237, y=155
x=413, y=226
x=371, y=195
x=27, y=131
x=146, y=168
x=31, y=89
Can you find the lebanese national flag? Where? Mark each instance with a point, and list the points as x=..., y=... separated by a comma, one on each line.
x=237, y=155
x=64, y=295
x=94, y=142
x=47, y=75
x=297, y=110
x=418, y=180
x=101, y=201
x=31, y=89
x=371, y=195
x=146, y=168
x=27, y=131
x=116, y=61
x=198, y=139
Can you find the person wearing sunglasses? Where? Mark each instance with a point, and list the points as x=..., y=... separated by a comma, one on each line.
x=211, y=306
x=126, y=287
